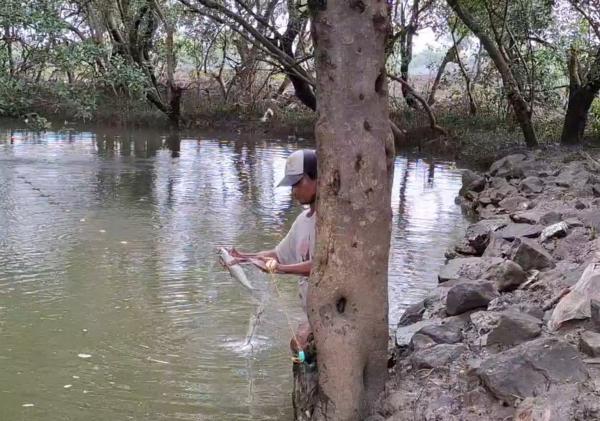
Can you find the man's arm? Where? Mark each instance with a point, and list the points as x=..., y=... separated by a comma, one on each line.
x=242, y=256
x=302, y=269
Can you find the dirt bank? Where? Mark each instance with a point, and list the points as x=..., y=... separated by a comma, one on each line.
x=485, y=344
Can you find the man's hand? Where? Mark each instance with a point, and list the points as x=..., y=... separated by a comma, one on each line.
x=266, y=264
x=234, y=253
x=303, y=336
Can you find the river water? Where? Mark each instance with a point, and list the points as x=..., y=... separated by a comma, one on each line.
x=112, y=303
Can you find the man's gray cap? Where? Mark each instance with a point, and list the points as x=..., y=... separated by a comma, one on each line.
x=298, y=164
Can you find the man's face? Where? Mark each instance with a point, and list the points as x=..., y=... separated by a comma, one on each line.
x=305, y=190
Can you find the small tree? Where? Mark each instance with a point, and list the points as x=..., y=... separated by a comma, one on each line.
x=498, y=43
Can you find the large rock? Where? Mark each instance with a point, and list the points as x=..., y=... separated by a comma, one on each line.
x=527, y=217
x=532, y=185
x=478, y=234
x=507, y=275
x=530, y=369
x=530, y=255
x=413, y=314
x=595, y=314
x=551, y=217
x=573, y=175
x=471, y=181
x=437, y=356
x=557, y=230
x=404, y=334
x=559, y=404
x=509, y=166
x=468, y=296
x=420, y=341
x=506, y=328
x=513, y=328
x=466, y=268
x=589, y=343
x=497, y=247
x=591, y=219
x=515, y=203
x=449, y=331
x=512, y=231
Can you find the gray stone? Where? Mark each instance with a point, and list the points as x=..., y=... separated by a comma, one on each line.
x=513, y=328
x=506, y=328
x=483, y=321
x=375, y=417
x=509, y=166
x=471, y=181
x=532, y=185
x=527, y=217
x=404, y=334
x=399, y=401
x=573, y=175
x=512, y=231
x=413, y=314
x=468, y=296
x=437, y=356
x=573, y=222
x=450, y=254
x=595, y=314
x=448, y=332
x=551, y=217
x=531, y=368
x=527, y=308
x=589, y=343
x=515, y=203
x=478, y=234
x=498, y=183
x=507, y=275
x=463, y=248
x=579, y=205
x=420, y=341
x=591, y=219
x=497, y=247
x=557, y=230
x=498, y=195
x=530, y=255
x=466, y=268
x=559, y=405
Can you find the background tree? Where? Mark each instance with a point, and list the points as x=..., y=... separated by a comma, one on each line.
x=584, y=81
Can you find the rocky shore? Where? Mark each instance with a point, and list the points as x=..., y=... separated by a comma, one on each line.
x=511, y=331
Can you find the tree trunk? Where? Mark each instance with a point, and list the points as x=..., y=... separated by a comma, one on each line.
x=9, y=50
x=304, y=92
x=347, y=298
x=580, y=102
x=465, y=74
x=581, y=97
x=406, y=48
x=448, y=58
x=514, y=96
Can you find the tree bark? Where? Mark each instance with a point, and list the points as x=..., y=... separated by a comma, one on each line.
x=514, y=96
x=347, y=298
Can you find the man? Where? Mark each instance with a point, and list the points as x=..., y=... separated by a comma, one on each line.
x=294, y=254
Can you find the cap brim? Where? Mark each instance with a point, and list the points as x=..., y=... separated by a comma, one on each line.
x=290, y=180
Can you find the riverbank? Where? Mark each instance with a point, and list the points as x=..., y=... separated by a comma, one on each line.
x=489, y=342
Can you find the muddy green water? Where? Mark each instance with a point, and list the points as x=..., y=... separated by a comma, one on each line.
x=112, y=303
